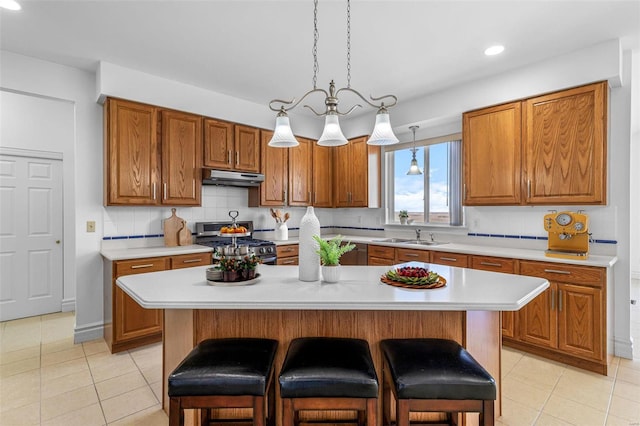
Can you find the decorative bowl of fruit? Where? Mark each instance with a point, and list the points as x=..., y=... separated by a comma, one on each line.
x=413, y=277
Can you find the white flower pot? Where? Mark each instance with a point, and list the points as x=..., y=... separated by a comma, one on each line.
x=331, y=274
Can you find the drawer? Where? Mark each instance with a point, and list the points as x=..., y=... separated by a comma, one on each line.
x=293, y=260
x=382, y=251
x=410, y=255
x=140, y=266
x=583, y=275
x=379, y=261
x=189, y=260
x=288, y=250
x=451, y=259
x=495, y=264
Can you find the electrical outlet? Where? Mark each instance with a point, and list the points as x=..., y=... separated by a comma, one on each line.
x=91, y=226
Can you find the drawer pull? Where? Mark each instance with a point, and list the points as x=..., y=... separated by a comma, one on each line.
x=146, y=265
x=191, y=260
x=553, y=299
x=288, y=262
x=288, y=249
x=557, y=271
x=497, y=265
x=560, y=300
x=450, y=259
x=411, y=254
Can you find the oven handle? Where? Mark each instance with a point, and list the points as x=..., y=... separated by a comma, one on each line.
x=269, y=260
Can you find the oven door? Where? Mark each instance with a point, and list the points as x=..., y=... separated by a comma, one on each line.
x=270, y=260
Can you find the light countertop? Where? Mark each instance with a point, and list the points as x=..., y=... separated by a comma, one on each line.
x=142, y=252
x=359, y=288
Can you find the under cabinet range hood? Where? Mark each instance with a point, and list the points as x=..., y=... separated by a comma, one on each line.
x=227, y=178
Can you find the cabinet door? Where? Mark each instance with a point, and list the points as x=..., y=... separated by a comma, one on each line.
x=581, y=321
x=189, y=260
x=247, y=147
x=341, y=176
x=412, y=255
x=132, y=154
x=181, y=158
x=287, y=250
x=359, y=171
x=275, y=161
x=322, y=174
x=565, y=146
x=218, y=144
x=130, y=320
x=300, y=173
x=538, y=320
x=378, y=261
x=491, y=141
x=451, y=259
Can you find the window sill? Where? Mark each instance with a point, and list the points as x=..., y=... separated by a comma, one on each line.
x=462, y=230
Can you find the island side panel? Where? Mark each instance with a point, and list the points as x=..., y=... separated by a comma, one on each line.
x=178, y=338
x=372, y=326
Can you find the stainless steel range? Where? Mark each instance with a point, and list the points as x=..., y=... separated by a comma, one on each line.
x=208, y=234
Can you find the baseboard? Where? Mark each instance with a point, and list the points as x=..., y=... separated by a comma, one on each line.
x=623, y=349
x=88, y=332
x=69, y=305
x=635, y=275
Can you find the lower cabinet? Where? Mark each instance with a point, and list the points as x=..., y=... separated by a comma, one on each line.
x=127, y=324
x=569, y=318
x=287, y=254
x=411, y=255
x=451, y=259
x=381, y=255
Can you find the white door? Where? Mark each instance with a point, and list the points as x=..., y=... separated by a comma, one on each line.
x=30, y=236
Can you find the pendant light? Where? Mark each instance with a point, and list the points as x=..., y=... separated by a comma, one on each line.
x=332, y=135
x=414, y=169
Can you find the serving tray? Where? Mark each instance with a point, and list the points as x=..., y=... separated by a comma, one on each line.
x=441, y=282
x=234, y=283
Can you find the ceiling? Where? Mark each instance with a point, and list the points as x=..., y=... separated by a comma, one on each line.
x=260, y=50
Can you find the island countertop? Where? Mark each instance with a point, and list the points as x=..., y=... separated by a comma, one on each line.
x=359, y=288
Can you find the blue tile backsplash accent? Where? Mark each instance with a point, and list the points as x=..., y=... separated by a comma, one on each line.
x=531, y=237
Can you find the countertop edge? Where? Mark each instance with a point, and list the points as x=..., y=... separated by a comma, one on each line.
x=144, y=252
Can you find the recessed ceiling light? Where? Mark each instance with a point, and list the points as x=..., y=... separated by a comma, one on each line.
x=494, y=50
x=10, y=4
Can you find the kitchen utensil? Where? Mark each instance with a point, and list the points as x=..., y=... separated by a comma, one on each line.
x=184, y=235
x=286, y=217
x=568, y=235
x=172, y=227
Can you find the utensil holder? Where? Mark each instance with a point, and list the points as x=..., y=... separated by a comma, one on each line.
x=282, y=232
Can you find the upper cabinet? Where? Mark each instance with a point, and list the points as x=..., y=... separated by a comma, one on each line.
x=301, y=173
x=564, y=139
x=229, y=146
x=142, y=170
x=322, y=174
x=549, y=149
x=351, y=173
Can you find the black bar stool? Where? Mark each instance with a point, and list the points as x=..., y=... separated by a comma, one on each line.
x=328, y=373
x=434, y=375
x=225, y=373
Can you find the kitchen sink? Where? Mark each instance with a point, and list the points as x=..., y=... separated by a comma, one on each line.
x=426, y=242
x=393, y=240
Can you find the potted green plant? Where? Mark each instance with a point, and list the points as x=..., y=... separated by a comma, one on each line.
x=229, y=267
x=403, y=215
x=248, y=266
x=330, y=252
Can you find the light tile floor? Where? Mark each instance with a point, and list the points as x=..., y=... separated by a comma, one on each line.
x=46, y=379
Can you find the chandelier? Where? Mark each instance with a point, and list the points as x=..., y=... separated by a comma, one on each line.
x=332, y=134
x=414, y=169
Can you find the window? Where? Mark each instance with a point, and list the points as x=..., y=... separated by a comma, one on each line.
x=434, y=197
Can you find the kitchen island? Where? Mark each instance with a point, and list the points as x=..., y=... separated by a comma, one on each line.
x=280, y=306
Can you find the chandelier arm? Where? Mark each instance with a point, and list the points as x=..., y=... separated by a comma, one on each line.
x=382, y=104
x=293, y=102
x=318, y=114
x=350, y=110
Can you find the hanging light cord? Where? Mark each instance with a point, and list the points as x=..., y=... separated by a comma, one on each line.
x=315, y=44
x=348, y=43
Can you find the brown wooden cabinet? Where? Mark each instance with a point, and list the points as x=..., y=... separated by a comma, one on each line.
x=142, y=170
x=301, y=173
x=287, y=254
x=569, y=318
x=451, y=259
x=412, y=255
x=492, y=149
x=321, y=182
x=564, y=146
x=381, y=255
x=127, y=324
x=549, y=149
x=350, y=174
x=507, y=266
x=229, y=146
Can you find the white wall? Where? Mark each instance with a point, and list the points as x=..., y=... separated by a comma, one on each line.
x=82, y=174
x=635, y=166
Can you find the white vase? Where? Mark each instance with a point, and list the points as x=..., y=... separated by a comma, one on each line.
x=331, y=273
x=282, y=231
x=308, y=259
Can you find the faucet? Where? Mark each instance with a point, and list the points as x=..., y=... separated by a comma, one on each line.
x=417, y=234
x=431, y=235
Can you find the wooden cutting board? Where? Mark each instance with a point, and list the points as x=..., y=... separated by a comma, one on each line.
x=172, y=227
x=184, y=235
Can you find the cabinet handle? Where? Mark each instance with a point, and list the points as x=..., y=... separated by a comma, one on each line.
x=229, y=157
x=237, y=158
x=284, y=197
x=553, y=299
x=310, y=199
x=315, y=197
x=557, y=271
x=411, y=255
x=191, y=260
x=288, y=249
x=164, y=190
x=529, y=188
x=559, y=300
x=193, y=189
x=491, y=264
x=450, y=259
x=464, y=191
x=146, y=265
x=154, y=190
x=288, y=262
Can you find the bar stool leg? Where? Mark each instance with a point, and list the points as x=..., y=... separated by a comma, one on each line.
x=372, y=410
x=176, y=417
x=258, y=411
x=287, y=412
x=402, y=412
x=487, y=415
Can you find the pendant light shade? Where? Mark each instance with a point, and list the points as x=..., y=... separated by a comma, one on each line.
x=282, y=135
x=382, y=133
x=332, y=134
x=414, y=169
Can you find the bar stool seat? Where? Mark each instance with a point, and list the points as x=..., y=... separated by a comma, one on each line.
x=329, y=373
x=434, y=375
x=225, y=373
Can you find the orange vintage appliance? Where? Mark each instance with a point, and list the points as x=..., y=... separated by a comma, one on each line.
x=568, y=235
